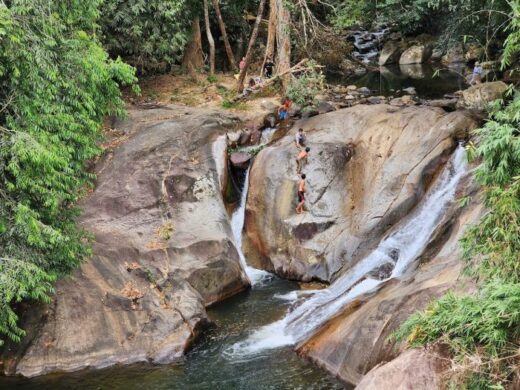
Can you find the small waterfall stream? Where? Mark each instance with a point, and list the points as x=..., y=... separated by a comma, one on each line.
x=398, y=250
x=255, y=276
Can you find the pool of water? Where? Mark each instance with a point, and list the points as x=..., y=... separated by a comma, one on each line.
x=206, y=366
x=431, y=81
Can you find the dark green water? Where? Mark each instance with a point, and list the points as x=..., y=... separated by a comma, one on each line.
x=431, y=81
x=205, y=367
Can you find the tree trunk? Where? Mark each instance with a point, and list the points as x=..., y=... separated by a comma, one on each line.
x=211, y=41
x=283, y=41
x=271, y=33
x=193, y=58
x=222, y=26
x=252, y=40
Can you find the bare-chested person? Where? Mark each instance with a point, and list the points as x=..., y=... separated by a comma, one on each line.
x=301, y=195
x=301, y=160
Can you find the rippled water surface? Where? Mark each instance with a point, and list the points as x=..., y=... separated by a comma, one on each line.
x=206, y=366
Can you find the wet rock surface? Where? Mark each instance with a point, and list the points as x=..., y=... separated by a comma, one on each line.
x=162, y=251
x=352, y=198
x=353, y=343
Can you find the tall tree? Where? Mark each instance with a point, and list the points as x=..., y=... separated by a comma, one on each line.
x=271, y=32
x=222, y=26
x=193, y=58
x=283, y=40
x=252, y=41
x=211, y=41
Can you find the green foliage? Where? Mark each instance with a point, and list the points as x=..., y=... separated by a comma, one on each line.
x=512, y=43
x=304, y=88
x=212, y=79
x=494, y=244
x=480, y=20
x=57, y=85
x=148, y=34
x=482, y=326
x=352, y=13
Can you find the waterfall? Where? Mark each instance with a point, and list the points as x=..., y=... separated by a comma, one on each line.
x=397, y=250
x=237, y=225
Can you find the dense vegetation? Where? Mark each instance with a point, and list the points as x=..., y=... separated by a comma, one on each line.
x=148, y=34
x=483, y=330
x=56, y=86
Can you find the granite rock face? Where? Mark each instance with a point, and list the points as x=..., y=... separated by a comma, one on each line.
x=368, y=167
x=417, y=369
x=477, y=98
x=162, y=250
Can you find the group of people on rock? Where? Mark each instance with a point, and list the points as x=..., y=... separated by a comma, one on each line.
x=283, y=115
x=301, y=160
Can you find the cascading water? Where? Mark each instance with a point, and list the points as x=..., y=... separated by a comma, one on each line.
x=237, y=225
x=398, y=250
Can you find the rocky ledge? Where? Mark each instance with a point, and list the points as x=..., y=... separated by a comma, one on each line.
x=162, y=251
x=351, y=199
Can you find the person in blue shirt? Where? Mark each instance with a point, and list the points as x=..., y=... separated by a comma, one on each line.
x=476, y=78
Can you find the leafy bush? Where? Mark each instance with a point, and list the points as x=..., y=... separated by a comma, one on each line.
x=212, y=78
x=304, y=88
x=57, y=85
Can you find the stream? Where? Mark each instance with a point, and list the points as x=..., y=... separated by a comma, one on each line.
x=207, y=365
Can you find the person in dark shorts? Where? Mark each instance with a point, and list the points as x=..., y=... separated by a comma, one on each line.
x=301, y=160
x=268, y=68
x=301, y=195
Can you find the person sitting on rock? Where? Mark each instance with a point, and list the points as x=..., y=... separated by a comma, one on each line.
x=300, y=139
x=476, y=78
x=301, y=160
x=301, y=195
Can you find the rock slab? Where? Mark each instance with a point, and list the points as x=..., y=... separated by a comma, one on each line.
x=162, y=250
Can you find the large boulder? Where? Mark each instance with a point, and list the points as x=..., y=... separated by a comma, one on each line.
x=357, y=339
x=454, y=54
x=478, y=97
x=351, y=201
x=391, y=53
x=162, y=250
x=418, y=53
x=417, y=369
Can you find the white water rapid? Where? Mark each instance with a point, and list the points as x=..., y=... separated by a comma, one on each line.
x=237, y=225
x=398, y=250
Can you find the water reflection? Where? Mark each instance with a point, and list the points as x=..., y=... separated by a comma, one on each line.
x=430, y=81
x=205, y=366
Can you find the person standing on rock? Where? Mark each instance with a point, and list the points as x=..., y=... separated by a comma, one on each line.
x=268, y=68
x=301, y=160
x=301, y=195
x=283, y=114
x=476, y=78
x=300, y=139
